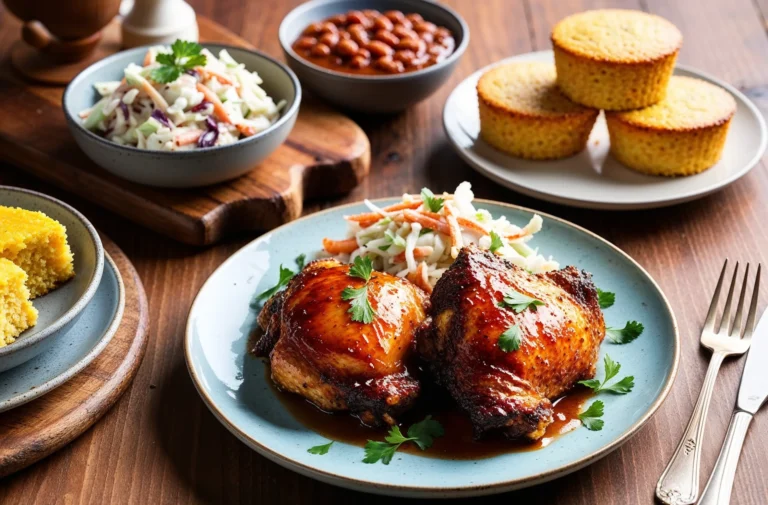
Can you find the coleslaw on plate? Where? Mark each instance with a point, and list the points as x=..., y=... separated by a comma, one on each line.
x=420, y=237
x=213, y=104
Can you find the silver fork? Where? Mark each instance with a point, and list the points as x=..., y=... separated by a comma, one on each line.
x=679, y=484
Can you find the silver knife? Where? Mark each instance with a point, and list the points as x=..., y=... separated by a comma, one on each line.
x=752, y=394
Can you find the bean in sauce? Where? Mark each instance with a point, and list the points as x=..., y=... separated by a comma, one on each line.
x=373, y=43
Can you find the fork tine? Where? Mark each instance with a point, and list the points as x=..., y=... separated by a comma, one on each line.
x=727, y=309
x=709, y=323
x=736, y=323
x=749, y=327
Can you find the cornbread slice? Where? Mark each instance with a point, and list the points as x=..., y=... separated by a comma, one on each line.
x=684, y=134
x=37, y=244
x=16, y=312
x=615, y=59
x=523, y=113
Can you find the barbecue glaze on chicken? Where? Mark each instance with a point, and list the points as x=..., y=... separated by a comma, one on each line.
x=510, y=391
x=316, y=350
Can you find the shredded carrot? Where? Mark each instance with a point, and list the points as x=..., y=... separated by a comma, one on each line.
x=154, y=95
x=187, y=137
x=339, y=246
x=516, y=236
x=419, y=253
x=471, y=225
x=147, y=59
x=414, y=217
x=370, y=218
x=246, y=130
x=218, y=107
x=454, y=230
x=208, y=74
x=84, y=114
x=419, y=277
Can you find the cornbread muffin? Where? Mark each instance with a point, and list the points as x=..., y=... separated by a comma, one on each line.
x=683, y=134
x=523, y=113
x=37, y=244
x=615, y=59
x=16, y=312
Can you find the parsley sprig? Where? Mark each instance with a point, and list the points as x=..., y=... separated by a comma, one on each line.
x=519, y=302
x=320, y=449
x=286, y=274
x=184, y=55
x=612, y=368
x=431, y=202
x=511, y=339
x=624, y=335
x=360, y=306
x=605, y=298
x=496, y=242
x=590, y=418
x=422, y=434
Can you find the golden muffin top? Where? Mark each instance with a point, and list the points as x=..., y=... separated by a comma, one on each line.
x=690, y=103
x=18, y=224
x=526, y=88
x=616, y=35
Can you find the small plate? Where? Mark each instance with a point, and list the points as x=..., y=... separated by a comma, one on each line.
x=59, y=309
x=593, y=179
x=75, y=348
x=233, y=384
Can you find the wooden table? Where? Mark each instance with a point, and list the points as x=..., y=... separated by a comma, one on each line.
x=160, y=445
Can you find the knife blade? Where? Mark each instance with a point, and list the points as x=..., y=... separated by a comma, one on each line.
x=754, y=380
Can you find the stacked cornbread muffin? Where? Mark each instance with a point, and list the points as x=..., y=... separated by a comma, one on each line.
x=620, y=61
x=34, y=259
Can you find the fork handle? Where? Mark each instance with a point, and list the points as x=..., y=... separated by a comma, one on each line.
x=679, y=484
x=720, y=484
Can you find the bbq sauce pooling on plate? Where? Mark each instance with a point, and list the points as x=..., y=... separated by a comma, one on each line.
x=457, y=443
x=373, y=43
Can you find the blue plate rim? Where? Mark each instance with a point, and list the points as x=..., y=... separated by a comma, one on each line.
x=86, y=360
x=438, y=491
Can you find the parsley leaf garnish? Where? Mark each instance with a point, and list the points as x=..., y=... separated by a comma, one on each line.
x=392, y=239
x=432, y=203
x=320, y=449
x=496, y=242
x=519, y=302
x=301, y=260
x=612, y=368
x=184, y=56
x=424, y=231
x=361, y=309
x=605, y=298
x=422, y=434
x=625, y=335
x=362, y=268
x=590, y=417
x=511, y=339
x=286, y=274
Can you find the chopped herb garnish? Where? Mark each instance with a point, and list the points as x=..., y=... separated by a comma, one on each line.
x=424, y=231
x=392, y=240
x=590, y=418
x=519, y=302
x=361, y=309
x=422, y=434
x=184, y=56
x=625, y=335
x=286, y=274
x=362, y=268
x=320, y=449
x=511, y=339
x=432, y=203
x=612, y=368
x=300, y=261
x=605, y=298
x=496, y=242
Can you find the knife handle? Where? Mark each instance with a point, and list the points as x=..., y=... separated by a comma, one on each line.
x=718, y=490
x=679, y=484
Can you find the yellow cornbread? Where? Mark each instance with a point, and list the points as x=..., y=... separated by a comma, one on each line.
x=524, y=114
x=37, y=244
x=683, y=134
x=16, y=312
x=615, y=59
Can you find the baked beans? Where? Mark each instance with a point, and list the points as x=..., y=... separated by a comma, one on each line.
x=371, y=42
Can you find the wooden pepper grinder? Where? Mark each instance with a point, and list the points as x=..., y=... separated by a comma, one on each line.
x=152, y=22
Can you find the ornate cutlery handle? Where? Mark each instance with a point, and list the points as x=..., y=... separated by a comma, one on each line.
x=718, y=490
x=679, y=484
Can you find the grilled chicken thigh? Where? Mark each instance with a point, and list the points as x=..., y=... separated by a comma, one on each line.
x=510, y=391
x=316, y=350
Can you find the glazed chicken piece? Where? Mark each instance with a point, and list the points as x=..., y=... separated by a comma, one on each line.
x=511, y=391
x=316, y=350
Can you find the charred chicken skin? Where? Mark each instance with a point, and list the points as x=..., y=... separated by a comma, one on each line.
x=316, y=350
x=510, y=391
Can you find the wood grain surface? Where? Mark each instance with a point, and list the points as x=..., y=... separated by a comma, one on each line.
x=38, y=428
x=160, y=445
x=326, y=154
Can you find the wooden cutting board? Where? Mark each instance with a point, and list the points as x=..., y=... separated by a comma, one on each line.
x=326, y=155
x=36, y=429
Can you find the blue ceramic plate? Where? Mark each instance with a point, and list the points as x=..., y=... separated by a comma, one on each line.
x=74, y=349
x=233, y=384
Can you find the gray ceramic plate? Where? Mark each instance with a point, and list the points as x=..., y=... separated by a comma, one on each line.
x=75, y=348
x=233, y=384
x=59, y=309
